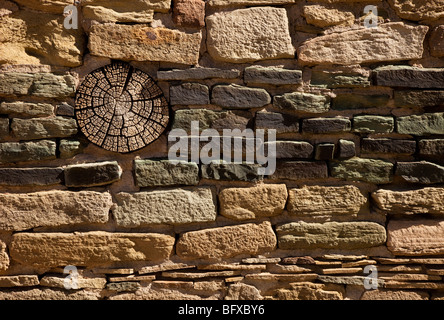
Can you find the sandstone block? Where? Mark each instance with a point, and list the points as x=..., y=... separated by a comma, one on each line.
x=199, y=73
x=431, y=148
x=173, y=206
x=88, y=248
x=4, y=127
x=4, y=257
x=409, y=77
x=272, y=75
x=27, y=151
x=427, y=200
x=142, y=43
x=49, y=294
x=23, y=211
x=394, y=295
x=246, y=35
x=415, y=238
x=317, y=200
x=393, y=41
x=235, y=96
x=368, y=170
x=252, y=239
x=347, y=149
x=149, y=173
x=326, y=125
x=437, y=41
x=30, y=176
x=300, y=170
x=92, y=174
x=302, y=102
x=82, y=283
x=19, y=281
x=418, y=10
x=189, y=93
x=45, y=85
x=355, y=100
x=189, y=13
x=136, y=5
x=264, y=200
x=282, y=123
x=388, y=146
x=422, y=125
x=340, y=76
x=225, y=3
x=231, y=171
x=344, y=235
x=107, y=15
x=321, y=16
x=69, y=148
x=26, y=109
x=43, y=128
x=292, y=149
x=373, y=124
x=419, y=98
x=422, y=172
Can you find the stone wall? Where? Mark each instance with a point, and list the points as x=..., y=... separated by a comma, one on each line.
x=359, y=116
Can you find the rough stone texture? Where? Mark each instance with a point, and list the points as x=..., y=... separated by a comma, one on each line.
x=4, y=127
x=142, y=43
x=419, y=98
x=174, y=206
x=346, y=149
x=271, y=75
x=394, y=295
x=291, y=149
x=226, y=3
x=231, y=171
x=189, y=13
x=88, y=248
x=368, y=170
x=427, y=200
x=418, y=10
x=326, y=125
x=49, y=294
x=23, y=211
x=250, y=34
x=43, y=128
x=431, y=148
x=137, y=5
x=4, y=257
x=24, y=40
x=26, y=109
x=322, y=16
x=340, y=76
x=354, y=100
x=409, y=77
x=92, y=174
x=149, y=173
x=300, y=170
x=437, y=41
x=282, y=123
x=317, y=200
x=422, y=172
x=105, y=15
x=373, y=124
x=19, y=281
x=344, y=235
x=189, y=93
x=209, y=119
x=388, y=146
x=30, y=176
x=252, y=239
x=82, y=283
x=415, y=238
x=69, y=148
x=27, y=151
x=389, y=42
x=421, y=125
x=302, y=102
x=264, y=200
x=310, y=291
x=235, y=96
x=242, y=291
x=199, y=73
x=45, y=85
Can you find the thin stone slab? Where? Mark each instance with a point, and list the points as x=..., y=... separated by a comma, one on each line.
x=31, y=176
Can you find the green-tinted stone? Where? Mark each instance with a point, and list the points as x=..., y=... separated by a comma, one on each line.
x=231, y=171
x=239, y=97
x=26, y=109
x=339, y=77
x=330, y=235
x=426, y=124
x=368, y=170
x=43, y=128
x=123, y=286
x=27, y=151
x=149, y=173
x=69, y=148
x=271, y=75
x=373, y=124
x=302, y=102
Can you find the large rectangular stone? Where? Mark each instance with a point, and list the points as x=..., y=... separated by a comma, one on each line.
x=92, y=174
x=231, y=171
x=410, y=77
x=151, y=173
x=300, y=170
x=421, y=172
x=326, y=125
x=392, y=41
x=27, y=151
x=319, y=200
x=432, y=148
x=189, y=94
x=302, y=102
x=421, y=201
x=239, y=97
x=43, y=128
x=373, y=124
x=88, y=248
x=199, y=73
x=26, y=109
x=419, y=98
x=368, y=170
x=143, y=43
x=416, y=238
x=329, y=235
x=388, y=146
x=282, y=123
x=226, y=242
x=30, y=176
x=272, y=75
x=226, y=3
x=171, y=206
x=359, y=100
x=23, y=211
x=19, y=281
x=291, y=149
x=421, y=125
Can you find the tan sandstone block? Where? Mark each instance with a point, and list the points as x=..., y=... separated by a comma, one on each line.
x=318, y=200
x=321, y=16
x=4, y=258
x=143, y=43
x=427, y=200
x=22, y=211
x=248, y=203
x=19, y=281
x=389, y=42
x=88, y=248
x=416, y=238
x=418, y=10
x=251, y=34
x=226, y=3
x=227, y=242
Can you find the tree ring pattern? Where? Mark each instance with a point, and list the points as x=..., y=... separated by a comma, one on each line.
x=120, y=108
